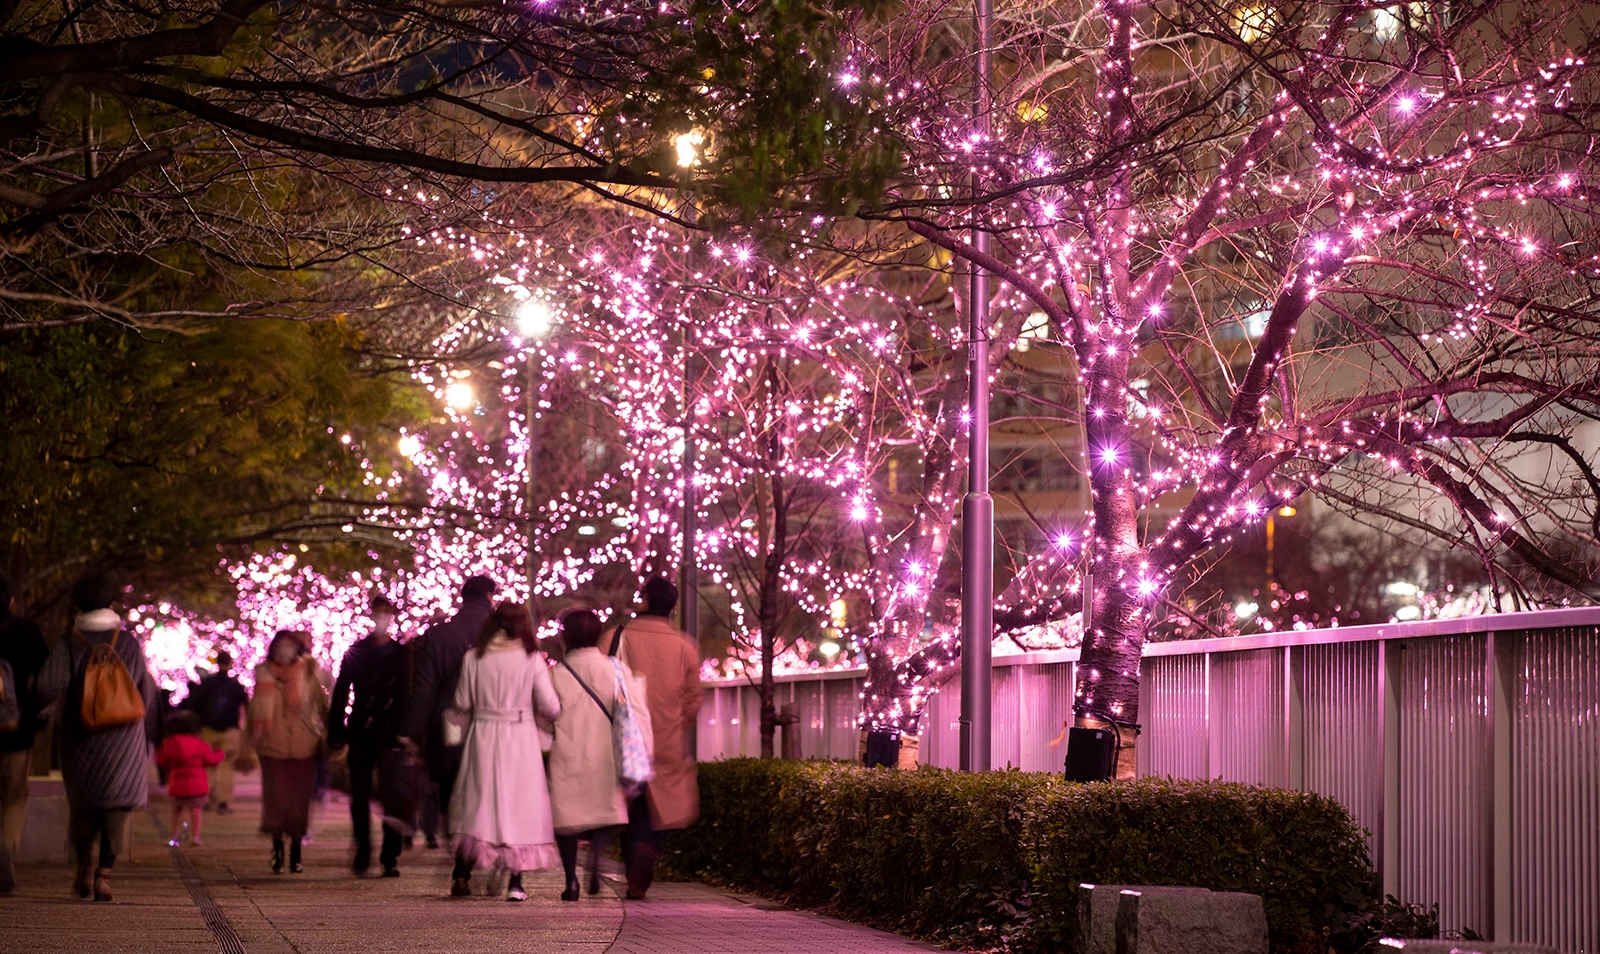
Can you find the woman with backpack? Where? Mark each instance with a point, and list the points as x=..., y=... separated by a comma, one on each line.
x=108, y=723
x=586, y=797
x=288, y=729
x=500, y=809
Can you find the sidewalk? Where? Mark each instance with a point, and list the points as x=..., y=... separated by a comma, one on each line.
x=223, y=898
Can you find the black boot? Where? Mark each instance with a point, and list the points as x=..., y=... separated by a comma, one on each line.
x=295, y=867
x=277, y=855
x=574, y=890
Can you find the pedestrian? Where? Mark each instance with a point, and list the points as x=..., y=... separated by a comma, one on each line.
x=287, y=731
x=669, y=661
x=500, y=812
x=586, y=799
x=185, y=756
x=23, y=648
x=371, y=688
x=220, y=699
x=103, y=760
x=439, y=653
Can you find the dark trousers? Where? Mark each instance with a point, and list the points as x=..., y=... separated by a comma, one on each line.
x=443, y=767
x=641, y=843
x=363, y=765
x=110, y=825
x=568, y=846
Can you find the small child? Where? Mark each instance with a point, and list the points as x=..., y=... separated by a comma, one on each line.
x=185, y=756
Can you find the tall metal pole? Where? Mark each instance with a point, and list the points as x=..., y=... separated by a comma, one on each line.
x=531, y=466
x=689, y=592
x=977, y=508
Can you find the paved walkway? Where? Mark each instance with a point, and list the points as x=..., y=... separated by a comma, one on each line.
x=223, y=898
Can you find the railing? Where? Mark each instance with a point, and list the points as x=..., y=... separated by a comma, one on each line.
x=1469, y=748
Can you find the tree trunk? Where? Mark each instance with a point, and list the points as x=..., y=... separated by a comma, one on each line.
x=772, y=573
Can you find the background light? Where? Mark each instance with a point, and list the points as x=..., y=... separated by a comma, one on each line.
x=459, y=395
x=535, y=317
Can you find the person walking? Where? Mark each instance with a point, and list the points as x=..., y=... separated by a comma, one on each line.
x=219, y=699
x=102, y=766
x=23, y=648
x=586, y=799
x=500, y=812
x=185, y=756
x=669, y=661
x=371, y=687
x=439, y=653
x=287, y=731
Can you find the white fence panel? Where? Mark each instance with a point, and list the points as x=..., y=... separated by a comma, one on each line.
x=1468, y=748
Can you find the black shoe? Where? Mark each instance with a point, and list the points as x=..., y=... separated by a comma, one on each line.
x=433, y=842
x=391, y=871
x=594, y=882
x=295, y=867
x=223, y=809
x=360, y=864
x=277, y=856
x=572, y=893
x=461, y=888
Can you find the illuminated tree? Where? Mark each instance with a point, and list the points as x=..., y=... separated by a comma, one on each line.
x=1339, y=250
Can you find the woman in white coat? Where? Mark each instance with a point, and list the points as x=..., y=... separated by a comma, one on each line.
x=500, y=812
x=585, y=796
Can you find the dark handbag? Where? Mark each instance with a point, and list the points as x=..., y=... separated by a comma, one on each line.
x=616, y=639
x=400, y=778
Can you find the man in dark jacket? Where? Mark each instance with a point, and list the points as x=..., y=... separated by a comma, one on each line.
x=372, y=685
x=220, y=701
x=21, y=645
x=438, y=667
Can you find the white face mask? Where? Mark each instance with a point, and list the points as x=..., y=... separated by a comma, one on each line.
x=381, y=623
x=285, y=653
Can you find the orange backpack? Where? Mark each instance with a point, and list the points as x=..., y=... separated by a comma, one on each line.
x=110, y=696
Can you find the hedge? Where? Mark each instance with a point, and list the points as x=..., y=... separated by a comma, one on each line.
x=994, y=860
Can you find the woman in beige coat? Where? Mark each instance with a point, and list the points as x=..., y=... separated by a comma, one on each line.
x=288, y=720
x=585, y=796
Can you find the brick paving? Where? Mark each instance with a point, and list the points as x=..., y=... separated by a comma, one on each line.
x=328, y=911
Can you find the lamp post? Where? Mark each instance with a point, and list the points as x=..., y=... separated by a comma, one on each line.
x=977, y=508
x=534, y=320
x=687, y=145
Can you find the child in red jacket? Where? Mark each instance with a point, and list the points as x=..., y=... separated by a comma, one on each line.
x=185, y=756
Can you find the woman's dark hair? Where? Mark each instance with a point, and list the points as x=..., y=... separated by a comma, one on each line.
x=94, y=592
x=660, y=596
x=515, y=620
x=580, y=629
x=289, y=635
x=182, y=722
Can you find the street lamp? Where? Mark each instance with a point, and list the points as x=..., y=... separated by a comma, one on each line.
x=688, y=146
x=977, y=508
x=459, y=395
x=535, y=318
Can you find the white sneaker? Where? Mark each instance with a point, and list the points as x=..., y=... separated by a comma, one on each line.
x=516, y=893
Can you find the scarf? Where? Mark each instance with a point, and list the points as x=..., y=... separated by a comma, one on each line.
x=288, y=680
x=98, y=621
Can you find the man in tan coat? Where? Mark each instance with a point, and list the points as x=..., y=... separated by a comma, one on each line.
x=669, y=661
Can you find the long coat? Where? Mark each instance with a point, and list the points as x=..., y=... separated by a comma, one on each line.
x=279, y=729
x=438, y=666
x=106, y=768
x=500, y=808
x=670, y=664
x=584, y=791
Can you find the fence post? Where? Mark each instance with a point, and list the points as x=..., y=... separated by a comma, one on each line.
x=1501, y=676
x=1389, y=824
x=1294, y=719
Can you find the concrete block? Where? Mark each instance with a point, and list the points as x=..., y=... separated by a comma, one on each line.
x=1097, y=913
x=1190, y=922
x=1435, y=946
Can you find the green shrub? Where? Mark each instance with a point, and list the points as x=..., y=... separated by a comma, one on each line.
x=995, y=860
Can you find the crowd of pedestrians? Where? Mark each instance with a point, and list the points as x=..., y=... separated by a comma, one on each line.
x=470, y=728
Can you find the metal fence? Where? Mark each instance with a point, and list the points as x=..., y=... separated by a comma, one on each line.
x=1468, y=748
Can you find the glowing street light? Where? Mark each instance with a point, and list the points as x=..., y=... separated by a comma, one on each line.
x=535, y=317
x=409, y=445
x=459, y=396
x=688, y=147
